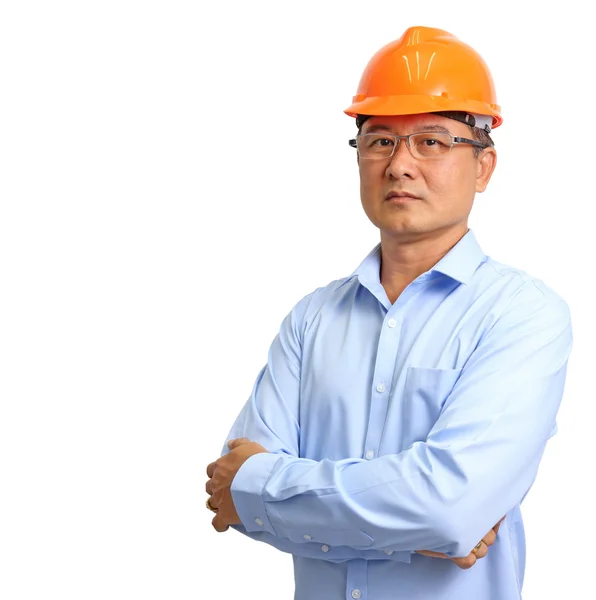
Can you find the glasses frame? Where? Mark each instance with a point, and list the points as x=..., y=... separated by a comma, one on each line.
x=398, y=138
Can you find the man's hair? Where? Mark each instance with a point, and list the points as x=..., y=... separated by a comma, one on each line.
x=480, y=135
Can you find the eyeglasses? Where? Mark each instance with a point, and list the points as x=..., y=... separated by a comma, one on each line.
x=426, y=144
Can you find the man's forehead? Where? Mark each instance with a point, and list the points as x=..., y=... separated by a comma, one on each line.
x=418, y=122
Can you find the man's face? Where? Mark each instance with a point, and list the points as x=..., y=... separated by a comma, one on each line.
x=444, y=187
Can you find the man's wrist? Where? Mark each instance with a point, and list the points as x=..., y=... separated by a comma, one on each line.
x=247, y=491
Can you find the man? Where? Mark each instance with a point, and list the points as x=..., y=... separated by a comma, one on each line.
x=405, y=409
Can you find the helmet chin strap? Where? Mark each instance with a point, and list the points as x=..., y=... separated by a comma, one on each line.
x=471, y=119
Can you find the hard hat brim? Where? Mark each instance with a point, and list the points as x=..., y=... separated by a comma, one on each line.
x=415, y=105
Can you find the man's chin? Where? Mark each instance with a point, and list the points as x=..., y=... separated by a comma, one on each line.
x=403, y=232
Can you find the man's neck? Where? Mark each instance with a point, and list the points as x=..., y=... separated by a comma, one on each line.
x=402, y=261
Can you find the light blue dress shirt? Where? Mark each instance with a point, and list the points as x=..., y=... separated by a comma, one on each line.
x=401, y=427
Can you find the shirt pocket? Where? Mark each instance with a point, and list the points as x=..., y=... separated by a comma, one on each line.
x=425, y=393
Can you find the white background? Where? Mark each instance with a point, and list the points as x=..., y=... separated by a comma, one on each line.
x=164, y=205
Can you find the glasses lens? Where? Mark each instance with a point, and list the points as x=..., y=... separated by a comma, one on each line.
x=375, y=145
x=429, y=145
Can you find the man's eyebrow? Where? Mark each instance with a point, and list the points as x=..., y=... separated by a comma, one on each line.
x=423, y=127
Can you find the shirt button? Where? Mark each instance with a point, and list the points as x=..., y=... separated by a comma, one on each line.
x=259, y=522
x=381, y=387
x=388, y=552
x=325, y=548
x=308, y=537
x=369, y=454
x=356, y=593
x=392, y=322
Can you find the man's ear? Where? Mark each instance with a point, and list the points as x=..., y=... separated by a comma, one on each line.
x=486, y=163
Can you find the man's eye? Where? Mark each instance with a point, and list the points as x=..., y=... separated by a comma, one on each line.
x=432, y=141
x=384, y=142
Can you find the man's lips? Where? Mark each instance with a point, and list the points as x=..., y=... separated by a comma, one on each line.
x=401, y=196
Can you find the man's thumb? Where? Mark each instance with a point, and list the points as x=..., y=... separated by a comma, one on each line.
x=237, y=442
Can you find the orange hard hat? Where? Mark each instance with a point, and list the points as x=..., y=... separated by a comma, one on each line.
x=426, y=70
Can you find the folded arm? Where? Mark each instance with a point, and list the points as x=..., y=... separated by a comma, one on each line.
x=442, y=494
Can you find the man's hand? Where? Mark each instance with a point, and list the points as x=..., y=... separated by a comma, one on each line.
x=221, y=473
x=465, y=562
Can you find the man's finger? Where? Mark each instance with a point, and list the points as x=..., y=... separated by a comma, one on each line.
x=496, y=527
x=466, y=562
x=237, y=442
x=490, y=537
x=432, y=554
x=482, y=551
x=219, y=525
x=209, y=488
x=210, y=470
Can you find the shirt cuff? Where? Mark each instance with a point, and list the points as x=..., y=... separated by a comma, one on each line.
x=247, y=489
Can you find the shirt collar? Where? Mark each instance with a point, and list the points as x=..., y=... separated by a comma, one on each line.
x=459, y=263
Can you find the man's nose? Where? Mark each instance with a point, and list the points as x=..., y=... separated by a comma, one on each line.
x=402, y=163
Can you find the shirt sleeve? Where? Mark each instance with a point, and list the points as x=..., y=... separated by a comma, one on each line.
x=444, y=493
x=270, y=417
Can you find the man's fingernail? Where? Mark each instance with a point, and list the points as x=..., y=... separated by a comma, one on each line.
x=230, y=443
